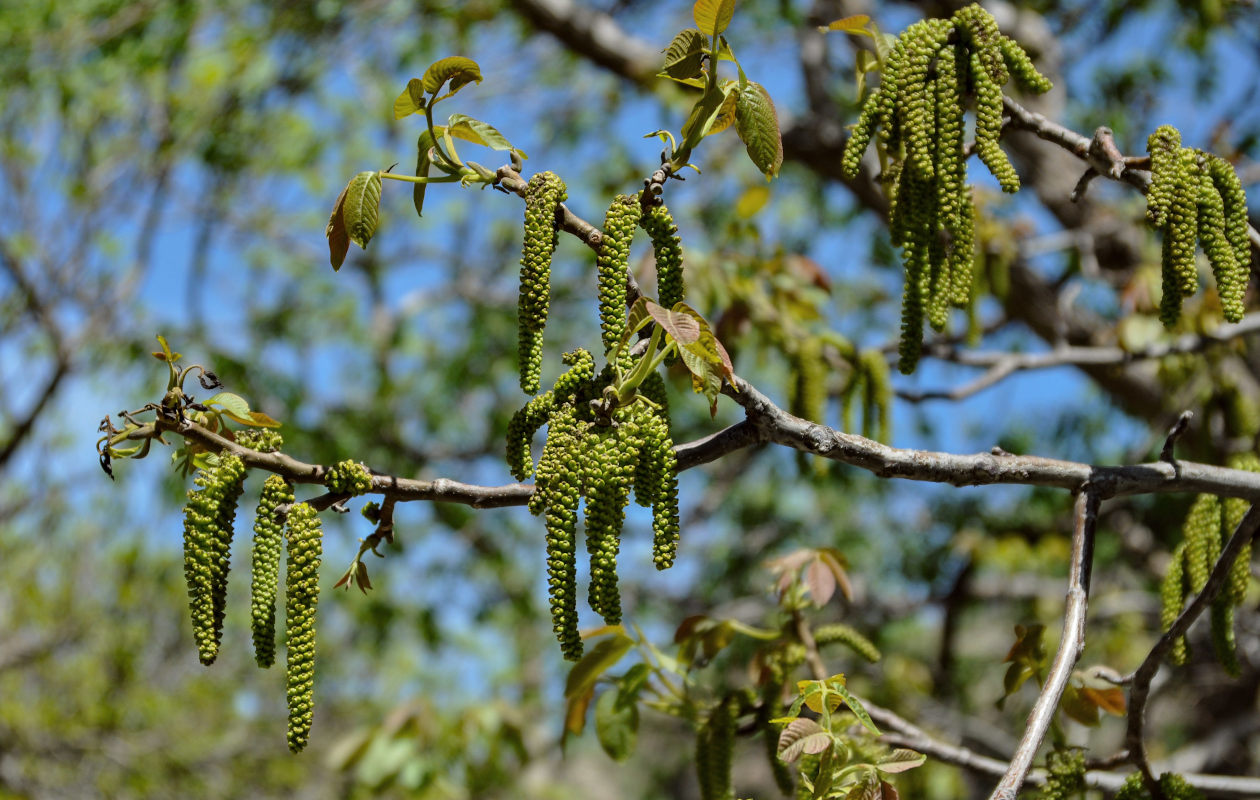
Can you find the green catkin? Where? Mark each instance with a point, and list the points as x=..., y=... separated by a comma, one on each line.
x=659, y=447
x=528, y=419
x=1231, y=283
x=953, y=196
x=838, y=633
x=1175, y=787
x=979, y=30
x=305, y=548
x=913, y=302
x=809, y=385
x=610, y=470
x=1164, y=146
x=1171, y=597
x=667, y=248
x=208, y=520
x=613, y=265
x=265, y=567
x=1201, y=532
x=916, y=100
x=770, y=708
x=1065, y=775
x=557, y=494
x=348, y=477
x=878, y=396
x=263, y=440
x=1227, y=184
x=1021, y=67
x=544, y=192
x=1235, y=509
x=989, y=125
x=715, y=744
x=1223, y=642
x=1132, y=788
x=521, y=429
x=860, y=138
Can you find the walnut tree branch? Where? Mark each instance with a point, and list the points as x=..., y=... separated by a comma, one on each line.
x=1071, y=645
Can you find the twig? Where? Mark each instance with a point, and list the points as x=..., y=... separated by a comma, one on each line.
x=1140, y=683
x=1071, y=645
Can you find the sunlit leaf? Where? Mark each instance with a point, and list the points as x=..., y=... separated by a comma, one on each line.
x=616, y=725
x=725, y=117
x=681, y=327
x=458, y=70
x=852, y=24
x=410, y=101
x=1077, y=706
x=362, y=207
x=820, y=581
x=702, y=116
x=712, y=16
x=684, y=55
x=856, y=707
x=595, y=663
x=424, y=145
x=575, y=711
x=478, y=132
x=254, y=419
x=758, y=126
x=233, y=404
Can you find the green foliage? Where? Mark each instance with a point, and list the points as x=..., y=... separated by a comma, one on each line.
x=305, y=546
x=208, y=519
x=265, y=567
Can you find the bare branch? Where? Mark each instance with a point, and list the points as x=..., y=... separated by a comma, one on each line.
x=1071, y=645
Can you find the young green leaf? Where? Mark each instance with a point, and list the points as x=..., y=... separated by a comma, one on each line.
x=478, y=132
x=702, y=116
x=712, y=16
x=616, y=725
x=362, y=206
x=423, y=145
x=338, y=239
x=684, y=55
x=596, y=662
x=458, y=70
x=232, y=404
x=852, y=24
x=410, y=101
x=726, y=112
x=758, y=126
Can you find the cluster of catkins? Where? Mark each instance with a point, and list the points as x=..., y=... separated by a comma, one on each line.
x=209, y=517
x=1196, y=197
x=1171, y=785
x=1208, y=525
x=1065, y=774
x=597, y=448
x=918, y=110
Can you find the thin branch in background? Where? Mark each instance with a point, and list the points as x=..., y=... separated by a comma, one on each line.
x=1071, y=645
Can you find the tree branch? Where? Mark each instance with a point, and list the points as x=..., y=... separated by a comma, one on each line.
x=1071, y=645
x=1140, y=681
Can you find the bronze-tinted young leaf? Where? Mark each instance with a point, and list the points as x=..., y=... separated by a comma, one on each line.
x=800, y=734
x=338, y=239
x=254, y=419
x=616, y=725
x=820, y=581
x=889, y=791
x=458, y=70
x=834, y=560
x=1110, y=700
x=410, y=101
x=758, y=126
x=712, y=16
x=900, y=760
x=684, y=55
x=1078, y=707
x=868, y=787
x=575, y=712
x=362, y=207
x=681, y=327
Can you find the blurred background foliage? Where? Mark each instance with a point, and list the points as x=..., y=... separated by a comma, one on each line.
x=168, y=167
